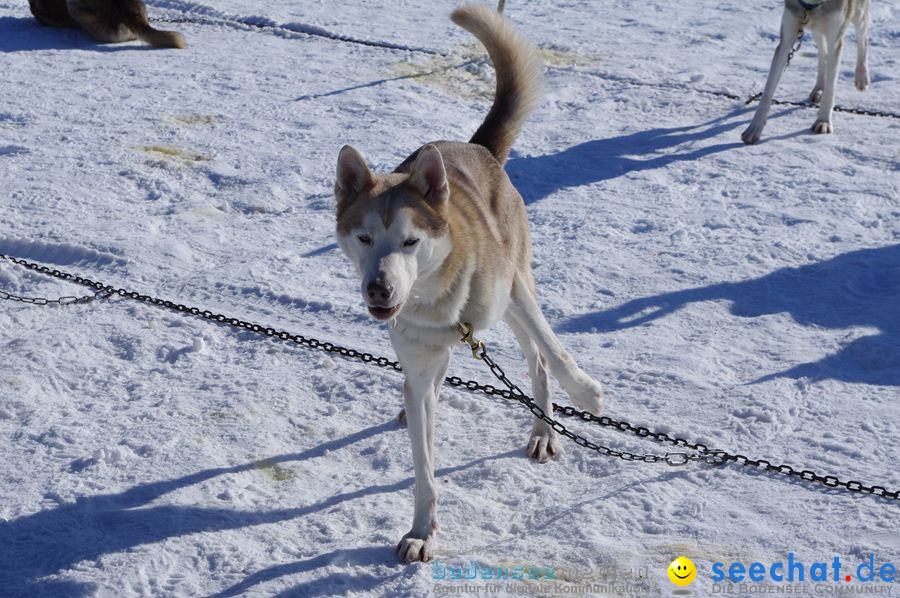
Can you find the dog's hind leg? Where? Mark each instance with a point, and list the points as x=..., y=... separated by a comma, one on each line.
x=861, y=25
x=584, y=391
x=834, y=30
x=98, y=25
x=423, y=366
x=790, y=28
x=544, y=442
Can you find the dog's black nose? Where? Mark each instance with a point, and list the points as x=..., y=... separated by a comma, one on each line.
x=379, y=294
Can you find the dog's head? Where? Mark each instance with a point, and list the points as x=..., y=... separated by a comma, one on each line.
x=393, y=226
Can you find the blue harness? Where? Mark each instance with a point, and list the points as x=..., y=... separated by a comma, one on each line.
x=809, y=6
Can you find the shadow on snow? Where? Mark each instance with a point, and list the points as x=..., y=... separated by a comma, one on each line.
x=856, y=289
x=54, y=540
x=537, y=177
x=25, y=34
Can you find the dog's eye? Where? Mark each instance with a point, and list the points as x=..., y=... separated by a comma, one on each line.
x=410, y=242
x=365, y=239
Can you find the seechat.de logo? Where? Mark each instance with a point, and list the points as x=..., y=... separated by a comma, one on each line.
x=794, y=570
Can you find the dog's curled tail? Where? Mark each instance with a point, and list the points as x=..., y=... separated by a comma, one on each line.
x=156, y=38
x=519, y=74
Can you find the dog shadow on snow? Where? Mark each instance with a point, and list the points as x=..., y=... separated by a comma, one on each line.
x=537, y=177
x=54, y=540
x=25, y=34
x=856, y=289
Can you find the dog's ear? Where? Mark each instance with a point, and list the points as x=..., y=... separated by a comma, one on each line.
x=353, y=174
x=429, y=177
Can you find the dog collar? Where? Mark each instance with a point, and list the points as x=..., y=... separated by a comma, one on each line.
x=809, y=5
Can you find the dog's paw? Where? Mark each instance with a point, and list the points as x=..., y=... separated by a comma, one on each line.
x=862, y=78
x=412, y=548
x=401, y=417
x=815, y=95
x=587, y=394
x=543, y=445
x=751, y=134
x=822, y=126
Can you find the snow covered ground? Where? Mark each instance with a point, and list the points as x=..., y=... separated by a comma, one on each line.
x=747, y=297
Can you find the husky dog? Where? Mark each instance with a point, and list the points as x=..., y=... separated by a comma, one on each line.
x=444, y=240
x=107, y=21
x=828, y=20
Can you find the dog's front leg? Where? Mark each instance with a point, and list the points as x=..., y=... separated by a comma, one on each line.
x=790, y=28
x=861, y=24
x=835, y=34
x=822, y=47
x=422, y=366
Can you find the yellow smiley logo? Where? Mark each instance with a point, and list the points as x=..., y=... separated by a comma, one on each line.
x=682, y=571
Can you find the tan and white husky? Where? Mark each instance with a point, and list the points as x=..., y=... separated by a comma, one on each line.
x=444, y=240
x=107, y=21
x=828, y=20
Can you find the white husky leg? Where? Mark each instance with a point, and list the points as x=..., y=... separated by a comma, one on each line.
x=544, y=442
x=790, y=28
x=584, y=391
x=422, y=366
x=438, y=383
x=861, y=24
x=835, y=33
x=822, y=46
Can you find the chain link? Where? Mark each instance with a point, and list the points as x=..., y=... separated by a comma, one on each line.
x=66, y=300
x=698, y=452
x=797, y=43
x=59, y=301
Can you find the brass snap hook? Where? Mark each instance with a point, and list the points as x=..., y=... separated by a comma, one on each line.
x=468, y=337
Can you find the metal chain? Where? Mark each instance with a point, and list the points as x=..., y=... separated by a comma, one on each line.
x=797, y=43
x=66, y=300
x=60, y=301
x=251, y=23
x=514, y=393
x=699, y=451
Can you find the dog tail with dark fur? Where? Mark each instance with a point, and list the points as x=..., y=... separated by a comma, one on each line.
x=519, y=70
x=156, y=38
